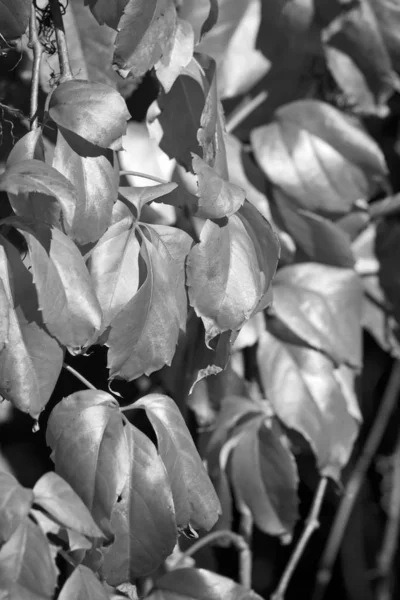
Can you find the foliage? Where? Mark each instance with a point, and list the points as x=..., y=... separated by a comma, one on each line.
x=225, y=274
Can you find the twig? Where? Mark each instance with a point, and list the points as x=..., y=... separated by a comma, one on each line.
x=353, y=487
x=244, y=111
x=241, y=546
x=79, y=376
x=311, y=525
x=144, y=176
x=390, y=539
x=385, y=208
x=36, y=46
x=62, y=47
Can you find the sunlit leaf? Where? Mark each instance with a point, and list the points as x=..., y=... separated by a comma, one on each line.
x=31, y=360
x=27, y=569
x=83, y=583
x=96, y=180
x=56, y=497
x=143, y=519
x=66, y=297
x=144, y=34
x=319, y=157
x=14, y=18
x=223, y=280
x=169, y=67
x=95, y=112
x=198, y=584
x=308, y=396
x=194, y=497
x=40, y=192
x=29, y=146
x=15, y=503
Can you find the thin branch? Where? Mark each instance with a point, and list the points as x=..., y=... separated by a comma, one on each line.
x=311, y=525
x=36, y=46
x=353, y=487
x=244, y=111
x=390, y=539
x=81, y=378
x=63, y=58
x=241, y=546
x=144, y=176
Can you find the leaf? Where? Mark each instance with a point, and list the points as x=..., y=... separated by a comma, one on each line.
x=317, y=239
x=217, y=198
x=27, y=569
x=181, y=111
x=198, y=584
x=39, y=192
x=318, y=157
x=145, y=332
x=170, y=66
x=264, y=477
x=66, y=297
x=144, y=34
x=31, y=360
x=104, y=12
x=86, y=434
x=83, y=585
x=140, y=196
x=58, y=499
x=322, y=306
x=223, y=281
x=308, y=396
x=83, y=108
x=114, y=268
x=194, y=497
x=14, y=18
x=4, y=316
x=387, y=253
x=29, y=146
x=96, y=181
x=144, y=519
x=15, y=504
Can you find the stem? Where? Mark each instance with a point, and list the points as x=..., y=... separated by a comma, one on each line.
x=81, y=378
x=311, y=525
x=144, y=176
x=36, y=46
x=244, y=111
x=390, y=539
x=241, y=546
x=63, y=57
x=354, y=484
x=385, y=208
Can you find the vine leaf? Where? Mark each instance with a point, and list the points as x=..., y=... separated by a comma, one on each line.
x=322, y=306
x=318, y=157
x=311, y=397
x=196, y=584
x=170, y=65
x=194, y=497
x=67, y=301
x=144, y=334
x=15, y=504
x=30, y=146
x=95, y=112
x=39, y=192
x=14, y=18
x=96, y=180
x=56, y=497
x=106, y=12
x=144, y=34
x=27, y=567
x=83, y=583
x=31, y=361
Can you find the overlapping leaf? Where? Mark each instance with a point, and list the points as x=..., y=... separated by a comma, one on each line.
x=67, y=301
x=144, y=334
x=14, y=18
x=31, y=360
x=318, y=157
x=322, y=306
x=15, y=504
x=310, y=396
x=40, y=192
x=96, y=178
x=145, y=30
x=170, y=65
x=83, y=583
x=198, y=584
x=194, y=497
x=95, y=112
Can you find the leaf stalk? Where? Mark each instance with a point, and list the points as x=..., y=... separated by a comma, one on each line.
x=63, y=57
x=36, y=46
